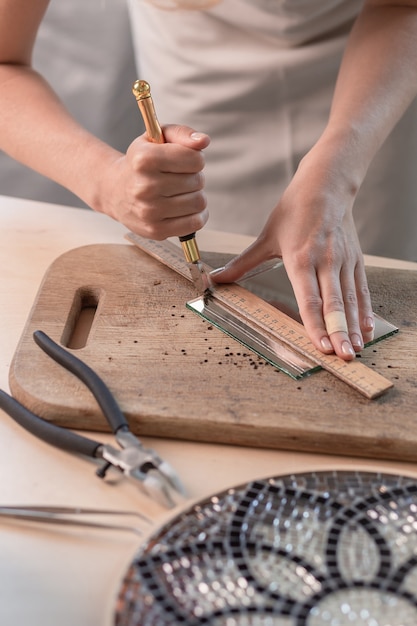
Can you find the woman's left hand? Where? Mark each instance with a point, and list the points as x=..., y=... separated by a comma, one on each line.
x=312, y=230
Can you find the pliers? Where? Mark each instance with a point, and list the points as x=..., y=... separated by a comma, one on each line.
x=155, y=476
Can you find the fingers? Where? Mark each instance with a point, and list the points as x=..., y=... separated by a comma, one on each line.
x=169, y=217
x=250, y=258
x=150, y=158
x=366, y=315
x=350, y=325
x=334, y=303
x=186, y=136
x=166, y=184
x=336, y=309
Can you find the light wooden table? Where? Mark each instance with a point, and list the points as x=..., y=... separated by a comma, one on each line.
x=50, y=575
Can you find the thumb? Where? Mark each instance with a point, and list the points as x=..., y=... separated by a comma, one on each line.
x=250, y=258
x=186, y=136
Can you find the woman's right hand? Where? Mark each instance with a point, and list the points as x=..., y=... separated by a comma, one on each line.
x=156, y=190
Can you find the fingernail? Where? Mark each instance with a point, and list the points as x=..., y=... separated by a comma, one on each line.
x=217, y=271
x=326, y=344
x=369, y=323
x=197, y=136
x=347, y=349
x=356, y=341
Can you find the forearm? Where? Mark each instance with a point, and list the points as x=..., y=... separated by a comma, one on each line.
x=37, y=130
x=376, y=83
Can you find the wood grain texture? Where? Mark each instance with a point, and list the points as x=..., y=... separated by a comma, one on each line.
x=175, y=375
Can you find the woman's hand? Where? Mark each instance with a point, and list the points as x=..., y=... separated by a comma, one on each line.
x=312, y=230
x=156, y=190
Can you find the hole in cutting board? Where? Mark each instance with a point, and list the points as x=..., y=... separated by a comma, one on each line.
x=81, y=317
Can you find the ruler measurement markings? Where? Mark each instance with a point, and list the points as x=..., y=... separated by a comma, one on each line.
x=365, y=380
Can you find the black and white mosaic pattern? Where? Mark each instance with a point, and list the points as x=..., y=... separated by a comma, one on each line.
x=313, y=549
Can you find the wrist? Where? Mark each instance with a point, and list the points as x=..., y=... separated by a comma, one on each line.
x=91, y=175
x=342, y=157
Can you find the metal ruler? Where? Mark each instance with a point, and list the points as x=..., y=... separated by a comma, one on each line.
x=263, y=328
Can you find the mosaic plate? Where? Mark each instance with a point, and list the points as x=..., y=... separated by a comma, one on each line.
x=311, y=549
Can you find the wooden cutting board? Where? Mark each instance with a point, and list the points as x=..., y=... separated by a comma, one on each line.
x=175, y=375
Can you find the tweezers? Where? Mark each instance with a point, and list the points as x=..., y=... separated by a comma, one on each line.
x=72, y=516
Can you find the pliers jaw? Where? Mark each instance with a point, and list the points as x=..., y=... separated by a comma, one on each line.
x=155, y=476
x=143, y=465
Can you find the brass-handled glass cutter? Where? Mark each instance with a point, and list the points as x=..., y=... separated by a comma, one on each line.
x=155, y=476
x=201, y=279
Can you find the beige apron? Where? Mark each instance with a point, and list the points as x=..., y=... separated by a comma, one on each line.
x=258, y=77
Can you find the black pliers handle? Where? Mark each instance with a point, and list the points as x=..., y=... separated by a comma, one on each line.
x=144, y=465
